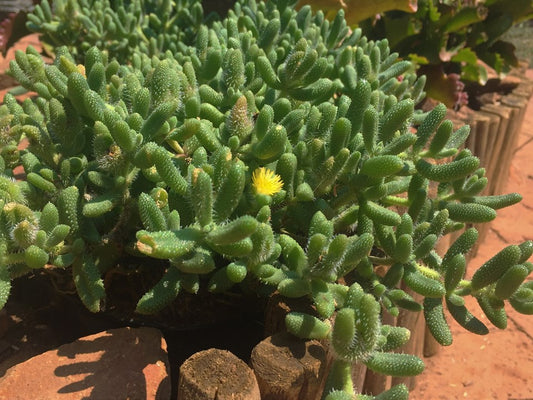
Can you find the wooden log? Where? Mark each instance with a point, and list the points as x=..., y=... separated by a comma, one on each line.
x=518, y=105
x=414, y=321
x=431, y=346
x=492, y=134
x=472, y=138
x=481, y=132
x=289, y=368
x=492, y=170
x=216, y=375
x=487, y=129
x=278, y=307
x=493, y=127
x=375, y=383
x=359, y=376
x=519, y=102
x=525, y=85
x=525, y=89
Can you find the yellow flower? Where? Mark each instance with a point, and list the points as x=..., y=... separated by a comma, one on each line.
x=266, y=181
x=81, y=69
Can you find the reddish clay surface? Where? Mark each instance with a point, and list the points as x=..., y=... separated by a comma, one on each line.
x=499, y=365
x=126, y=363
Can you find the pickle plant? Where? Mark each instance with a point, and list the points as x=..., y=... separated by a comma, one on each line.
x=276, y=148
x=121, y=27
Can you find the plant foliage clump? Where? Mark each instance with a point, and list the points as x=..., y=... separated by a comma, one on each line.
x=274, y=147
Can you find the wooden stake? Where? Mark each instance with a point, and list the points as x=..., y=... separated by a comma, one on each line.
x=431, y=346
x=216, y=375
x=517, y=105
x=414, y=321
x=492, y=169
x=376, y=383
x=289, y=368
x=359, y=376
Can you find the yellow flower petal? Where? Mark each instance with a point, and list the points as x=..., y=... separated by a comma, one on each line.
x=81, y=69
x=266, y=181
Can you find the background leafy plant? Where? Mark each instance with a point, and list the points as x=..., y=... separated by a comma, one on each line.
x=449, y=38
x=157, y=160
x=359, y=10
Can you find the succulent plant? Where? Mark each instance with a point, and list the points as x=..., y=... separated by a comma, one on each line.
x=276, y=148
x=123, y=28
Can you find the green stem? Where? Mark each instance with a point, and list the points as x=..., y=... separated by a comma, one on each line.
x=13, y=258
x=396, y=201
x=340, y=378
x=380, y=260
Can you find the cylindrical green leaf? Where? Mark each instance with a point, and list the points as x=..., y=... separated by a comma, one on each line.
x=49, y=217
x=233, y=231
x=454, y=271
x=494, y=312
x=294, y=287
x=151, y=215
x=429, y=125
x=57, y=235
x=306, y=326
x=466, y=319
x=35, y=257
x=470, y=212
x=435, y=321
x=510, y=281
x=423, y=285
x=230, y=191
x=395, y=364
x=403, y=248
x=493, y=269
x=236, y=272
x=498, y=201
x=380, y=214
x=395, y=118
x=370, y=128
x=448, y=172
x=162, y=294
x=404, y=300
x=201, y=262
x=168, y=171
x=202, y=196
x=382, y=166
x=272, y=145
